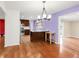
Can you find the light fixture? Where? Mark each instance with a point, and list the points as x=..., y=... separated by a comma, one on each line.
x=44, y=15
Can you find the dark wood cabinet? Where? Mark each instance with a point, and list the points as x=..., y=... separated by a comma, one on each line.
x=25, y=22
x=37, y=36
x=27, y=32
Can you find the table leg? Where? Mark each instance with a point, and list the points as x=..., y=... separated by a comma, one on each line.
x=50, y=38
x=45, y=36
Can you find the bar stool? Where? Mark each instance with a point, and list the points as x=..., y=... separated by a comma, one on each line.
x=50, y=36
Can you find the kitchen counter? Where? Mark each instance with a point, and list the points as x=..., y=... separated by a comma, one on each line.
x=41, y=30
x=38, y=35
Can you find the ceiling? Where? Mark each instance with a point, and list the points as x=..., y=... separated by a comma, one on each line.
x=71, y=17
x=30, y=9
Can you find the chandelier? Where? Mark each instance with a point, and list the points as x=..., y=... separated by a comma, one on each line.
x=44, y=15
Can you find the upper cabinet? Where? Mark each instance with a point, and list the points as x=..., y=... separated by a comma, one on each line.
x=25, y=22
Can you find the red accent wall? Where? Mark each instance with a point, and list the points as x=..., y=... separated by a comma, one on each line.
x=2, y=26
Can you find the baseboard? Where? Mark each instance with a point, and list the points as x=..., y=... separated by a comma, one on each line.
x=10, y=44
x=56, y=43
x=74, y=37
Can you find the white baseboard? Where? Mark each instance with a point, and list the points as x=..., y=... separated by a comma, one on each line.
x=10, y=44
x=75, y=37
x=56, y=43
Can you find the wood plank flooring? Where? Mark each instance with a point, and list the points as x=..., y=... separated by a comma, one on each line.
x=41, y=49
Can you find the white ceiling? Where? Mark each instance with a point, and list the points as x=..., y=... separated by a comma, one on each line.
x=71, y=17
x=34, y=8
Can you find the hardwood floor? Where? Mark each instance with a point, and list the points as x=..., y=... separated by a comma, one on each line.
x=42, y=49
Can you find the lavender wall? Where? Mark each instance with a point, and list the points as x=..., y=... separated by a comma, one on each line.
x=52, y=25
x=32, y=24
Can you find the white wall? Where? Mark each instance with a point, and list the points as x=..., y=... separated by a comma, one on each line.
x=12, y=28
x=75, y=29
x=67, y=29
x=31, y=22
x=71, y=29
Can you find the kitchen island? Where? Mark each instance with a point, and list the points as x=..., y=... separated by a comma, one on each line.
x=38, y=35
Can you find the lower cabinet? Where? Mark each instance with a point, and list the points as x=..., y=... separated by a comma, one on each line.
x=37, y=36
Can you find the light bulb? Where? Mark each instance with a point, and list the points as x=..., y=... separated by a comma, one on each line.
x=44, y=16
x=38, y=17
x=31, y=17
x=49, y=17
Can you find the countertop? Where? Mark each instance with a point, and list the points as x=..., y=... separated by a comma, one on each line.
x=41, y=30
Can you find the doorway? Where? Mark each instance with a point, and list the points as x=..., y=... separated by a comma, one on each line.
x=68, y=27
x=25, y=31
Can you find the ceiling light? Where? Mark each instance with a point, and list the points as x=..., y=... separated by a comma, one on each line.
x=44, y=15
x=38, y=17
